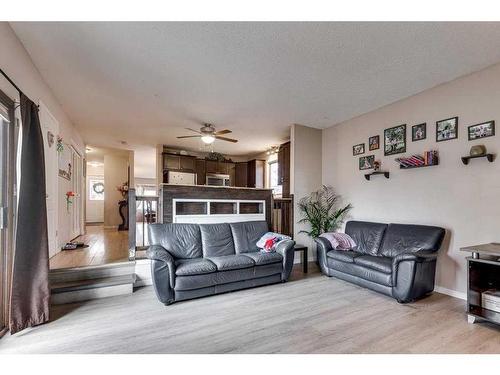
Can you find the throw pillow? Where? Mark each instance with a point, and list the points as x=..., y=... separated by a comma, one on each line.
x=268, y=241
x=340, y=241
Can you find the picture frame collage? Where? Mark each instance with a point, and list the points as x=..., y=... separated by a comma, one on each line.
x=395, y=138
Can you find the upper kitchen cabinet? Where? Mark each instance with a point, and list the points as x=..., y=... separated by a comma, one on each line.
x=284, y=169
x=231, y=171
x=175, y=162
x=201, y=171
x=216, y=167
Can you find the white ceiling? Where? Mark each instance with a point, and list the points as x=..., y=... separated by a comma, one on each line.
x=144, y=82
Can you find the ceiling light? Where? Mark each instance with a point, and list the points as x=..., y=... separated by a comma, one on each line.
x=208, y=139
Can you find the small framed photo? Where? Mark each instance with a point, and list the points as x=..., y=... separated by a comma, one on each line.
x=483, y=130
x=374, y=143
x=358, y=149
x=395, y=140
x=418, y=132
x=447, y=129
x=366, y=162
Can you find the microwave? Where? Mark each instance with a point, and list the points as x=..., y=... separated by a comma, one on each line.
x=218, y=180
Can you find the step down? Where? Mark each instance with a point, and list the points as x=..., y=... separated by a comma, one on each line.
x=91, y=272
x=83, y=290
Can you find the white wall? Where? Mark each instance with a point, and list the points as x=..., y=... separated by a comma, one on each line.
x=94, y=209
x=306, y=165
x=462, y=199
x=16, y=62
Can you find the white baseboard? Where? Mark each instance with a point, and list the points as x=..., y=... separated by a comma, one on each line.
x=449, y=292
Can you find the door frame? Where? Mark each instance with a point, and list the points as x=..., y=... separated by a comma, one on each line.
x=8, y=233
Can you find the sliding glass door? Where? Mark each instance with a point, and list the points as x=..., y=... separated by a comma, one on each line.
x=7, y=203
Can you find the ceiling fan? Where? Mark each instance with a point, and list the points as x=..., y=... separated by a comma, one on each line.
x=208, y=134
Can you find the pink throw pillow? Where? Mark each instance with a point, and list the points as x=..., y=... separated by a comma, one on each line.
x=340, y=241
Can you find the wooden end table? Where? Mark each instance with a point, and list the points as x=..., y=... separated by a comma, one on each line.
x=303, y=256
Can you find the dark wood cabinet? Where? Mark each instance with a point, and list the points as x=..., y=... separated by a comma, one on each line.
x=284, y=169
x=256, y=173
x=231, y=171
x=175, y=162
x=211, y=166
x=240, y=174
x=200, y=172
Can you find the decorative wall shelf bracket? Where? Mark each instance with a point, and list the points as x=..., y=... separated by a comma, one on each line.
x=368, y=175
x=466, y=159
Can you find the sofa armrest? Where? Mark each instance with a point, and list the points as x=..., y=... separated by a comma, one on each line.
x=286, y=249
x=323, y=246
x=162, y=272
x=418, y=256
x=413, y=275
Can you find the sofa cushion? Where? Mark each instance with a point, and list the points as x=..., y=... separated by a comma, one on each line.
x=407, y=238
x=192, y=282
x=199, y=266
x=183, y=241
x=216, y=239
x=246, y=235
x=382, y=264
x=261, y=258
x=232, y=262
x=361, y=272
x=342, y=255
x=368, y=236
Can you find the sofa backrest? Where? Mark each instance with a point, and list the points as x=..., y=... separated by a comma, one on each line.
x=216, y=240
x=368, y=236
x=183, y=241
x=404, y=238
x=246, y=234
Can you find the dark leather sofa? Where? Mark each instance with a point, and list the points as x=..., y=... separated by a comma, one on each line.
x=196, y=260
x=398, y=260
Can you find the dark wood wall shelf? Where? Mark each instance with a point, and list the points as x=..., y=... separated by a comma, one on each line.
x=489, y=157
x=418, y=166
x=368, y=175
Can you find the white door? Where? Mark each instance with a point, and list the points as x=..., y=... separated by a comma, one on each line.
x=50, y=129
x=76, y=187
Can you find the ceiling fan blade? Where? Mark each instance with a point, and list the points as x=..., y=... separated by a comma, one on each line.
x=225, y=131
x=226, y=139
x=190, y=136
x=196, y=131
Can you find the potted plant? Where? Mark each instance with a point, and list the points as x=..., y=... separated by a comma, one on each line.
x=320, y=210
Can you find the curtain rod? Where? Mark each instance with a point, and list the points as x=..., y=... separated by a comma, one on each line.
x=11, y=82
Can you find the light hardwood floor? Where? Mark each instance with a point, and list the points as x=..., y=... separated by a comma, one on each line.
x=313, y=314
x=105, y=246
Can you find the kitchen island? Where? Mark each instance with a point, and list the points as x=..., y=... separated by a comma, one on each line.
x=213, y=204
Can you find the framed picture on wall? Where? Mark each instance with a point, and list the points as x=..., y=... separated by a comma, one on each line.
x=366, y=162
x=374, y=143
x=358, y=149
x=395, y=140
x=418, y=132
x=447, y=129
x=483, y=130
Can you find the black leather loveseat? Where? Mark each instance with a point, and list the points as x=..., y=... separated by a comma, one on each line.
x=395, y=259
x=191, y=260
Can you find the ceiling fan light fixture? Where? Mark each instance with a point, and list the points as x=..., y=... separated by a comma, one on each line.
x=208, y=139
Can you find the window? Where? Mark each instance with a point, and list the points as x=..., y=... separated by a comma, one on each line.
x=96, y=188
x=7, y=199
x=273, y=178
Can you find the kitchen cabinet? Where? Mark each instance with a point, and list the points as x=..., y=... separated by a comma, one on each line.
x=211, y=166
x=284, y=169
x=175, y=162
x=255, y=174
x=231, y=171
x=241, y=174
x=200, y=172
